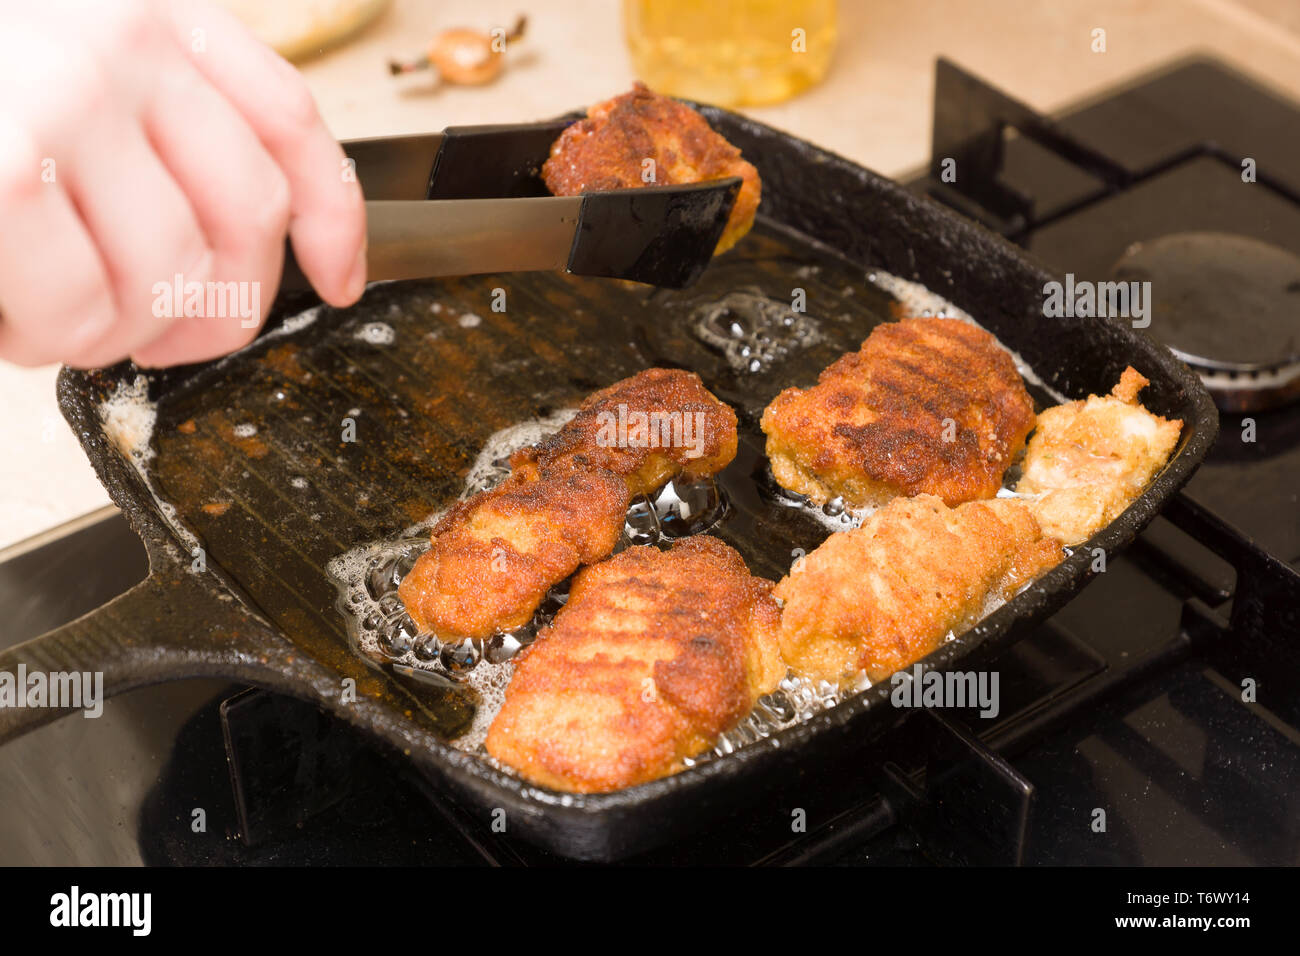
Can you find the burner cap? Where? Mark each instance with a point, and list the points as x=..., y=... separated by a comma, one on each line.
x=1228, y=306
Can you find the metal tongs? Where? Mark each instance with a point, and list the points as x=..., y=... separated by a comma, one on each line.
x=470, y=200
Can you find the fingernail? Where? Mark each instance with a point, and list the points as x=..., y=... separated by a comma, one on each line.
x=357, y=277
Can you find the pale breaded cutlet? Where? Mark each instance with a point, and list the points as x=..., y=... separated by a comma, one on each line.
x=1089, y=459
x=646, y=429
x=654, y=656
x=926, y=406
x=609, y=149
x=494, y=556
x=884, y=595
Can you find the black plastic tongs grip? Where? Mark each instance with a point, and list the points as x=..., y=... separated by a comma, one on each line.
x=470, y=200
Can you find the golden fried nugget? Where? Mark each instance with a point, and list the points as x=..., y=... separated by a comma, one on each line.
x=655, y=654
x=647, y=429
x=1089, y=459
x=609, y=149
x=931, y=406
x=495, y=555
x=882, y=596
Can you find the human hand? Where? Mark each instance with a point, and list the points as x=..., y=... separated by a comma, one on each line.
x=142, y=140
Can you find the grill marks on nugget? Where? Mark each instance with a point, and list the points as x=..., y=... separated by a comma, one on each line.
x=698, y=440
x=884, y=595
x=930, y=406
x=655, y=654
x=606, y=150
x=494, y=556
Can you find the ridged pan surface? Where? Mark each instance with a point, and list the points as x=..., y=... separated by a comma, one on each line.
x=252, y=455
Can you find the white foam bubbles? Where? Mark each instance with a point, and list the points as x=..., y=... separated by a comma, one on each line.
x=376, y=333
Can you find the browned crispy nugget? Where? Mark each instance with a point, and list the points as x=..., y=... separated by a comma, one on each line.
x=931, y=406
x=655, y=654
x=646, y=429
x=882, y=596
x=495, y=555
x=608, y=150
x=1089, y=459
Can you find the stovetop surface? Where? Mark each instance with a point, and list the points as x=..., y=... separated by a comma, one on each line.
x=1185, y=771
x=1214, y=119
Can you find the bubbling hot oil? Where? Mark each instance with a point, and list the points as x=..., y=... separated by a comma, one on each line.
x=750, y=332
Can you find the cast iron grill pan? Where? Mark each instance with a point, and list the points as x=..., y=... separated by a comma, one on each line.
x=271, y=506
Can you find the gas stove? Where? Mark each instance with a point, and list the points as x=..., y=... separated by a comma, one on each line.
x=1167, y=694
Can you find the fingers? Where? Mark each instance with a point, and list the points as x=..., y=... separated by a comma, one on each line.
x=241, y=200
x=170, y=164
x=55, y=295
x=327, y=213
x=145, y=229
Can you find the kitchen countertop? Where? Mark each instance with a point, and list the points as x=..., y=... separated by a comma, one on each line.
x=874, y=107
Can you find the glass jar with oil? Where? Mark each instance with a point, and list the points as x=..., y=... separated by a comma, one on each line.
x=730, y=52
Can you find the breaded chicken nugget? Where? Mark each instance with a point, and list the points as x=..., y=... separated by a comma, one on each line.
x=609, y=150
x=495, y=555
x=882, y=596
x=647, y=429
x=931, y=406
x=655, y=654
x=1088, y=460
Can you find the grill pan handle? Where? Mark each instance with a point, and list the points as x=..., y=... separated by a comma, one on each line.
x=171, y=625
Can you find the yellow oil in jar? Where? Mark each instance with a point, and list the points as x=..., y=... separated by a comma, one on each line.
x=730, y=52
